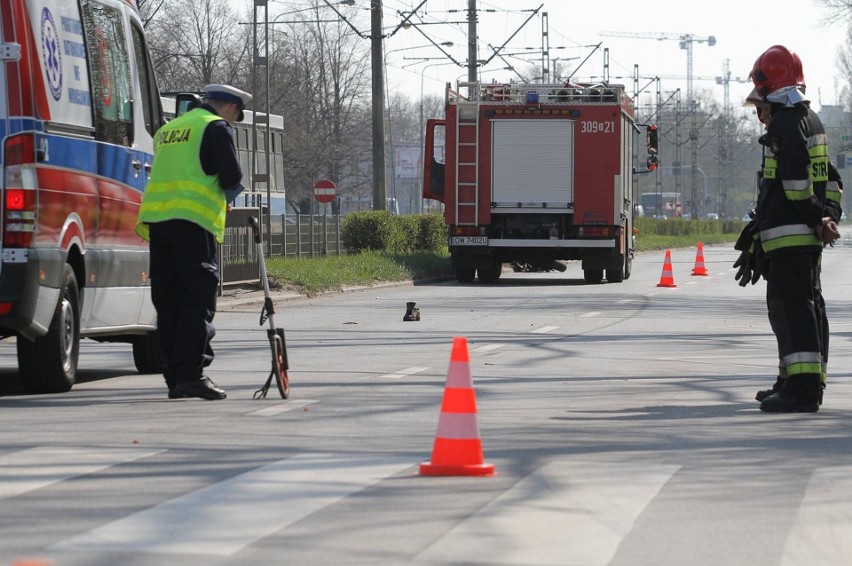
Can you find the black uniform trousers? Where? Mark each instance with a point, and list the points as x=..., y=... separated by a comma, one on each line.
x=184, y=287
x=796, y=312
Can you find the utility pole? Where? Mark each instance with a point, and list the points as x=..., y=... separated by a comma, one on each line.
x=545, y=49
x=378, y=69
x=472, y=56
x=261, y=179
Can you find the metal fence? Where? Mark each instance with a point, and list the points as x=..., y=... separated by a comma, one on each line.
x=292, y=235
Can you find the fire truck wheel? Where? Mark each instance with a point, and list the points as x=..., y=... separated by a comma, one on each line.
x=49, y=364
x=593, y=275
x=490, y=275
x=615, y=275
x=628, y=267
x=465, y=275
x=147, y=353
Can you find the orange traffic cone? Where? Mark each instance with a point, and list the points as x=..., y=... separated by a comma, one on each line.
x=666, y=278
x=458, y=448
x=699, y=268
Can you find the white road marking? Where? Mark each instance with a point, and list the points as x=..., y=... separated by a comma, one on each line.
x=279, y=408
x=34, y=468
x=487, y=348
x=405, y=372
x=822, y=531
x=589, y=314
x=544, y=329
x=225, y=517
x=565, y=513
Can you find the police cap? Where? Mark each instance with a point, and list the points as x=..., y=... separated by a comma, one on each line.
x=228, y=94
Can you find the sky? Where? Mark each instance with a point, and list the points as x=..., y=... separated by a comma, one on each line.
x=742, y=29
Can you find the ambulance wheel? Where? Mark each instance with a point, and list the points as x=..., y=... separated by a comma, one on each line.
x=147, y=353
x=465, y=275
x=593, y=275
x=49, y=364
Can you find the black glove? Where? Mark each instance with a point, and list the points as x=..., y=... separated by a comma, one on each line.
x=749, y=269
x=746, y=238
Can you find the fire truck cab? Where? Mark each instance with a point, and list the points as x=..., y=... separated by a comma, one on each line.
x=535, y=173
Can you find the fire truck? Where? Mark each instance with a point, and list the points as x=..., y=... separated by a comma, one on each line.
x=533, y=173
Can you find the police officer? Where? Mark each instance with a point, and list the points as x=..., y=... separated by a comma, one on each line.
x=792, y=227
x=194, y=175
x=830, y=199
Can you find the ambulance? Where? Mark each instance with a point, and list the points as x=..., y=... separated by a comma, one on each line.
x=79, y=105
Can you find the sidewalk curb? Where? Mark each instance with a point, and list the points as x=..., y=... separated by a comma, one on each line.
x=238, y=298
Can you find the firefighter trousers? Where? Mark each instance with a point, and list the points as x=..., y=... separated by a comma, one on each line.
x=796, y=315
x=184, y=287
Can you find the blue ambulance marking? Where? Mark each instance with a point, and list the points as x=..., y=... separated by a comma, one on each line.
x=51, y=54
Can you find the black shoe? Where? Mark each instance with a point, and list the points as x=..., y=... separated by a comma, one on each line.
x=785, y=403
x=764, y=393
x=203, y=388
x=173, y=394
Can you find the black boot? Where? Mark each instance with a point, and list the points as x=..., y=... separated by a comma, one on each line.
x=799, y=394
x=411, y=312
x=764, y=393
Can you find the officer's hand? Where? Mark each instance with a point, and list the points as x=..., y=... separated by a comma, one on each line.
x=748, y=271
x=828, y=231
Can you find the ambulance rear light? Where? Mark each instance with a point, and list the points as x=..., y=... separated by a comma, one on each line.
x=19, y=149
x=19, y=195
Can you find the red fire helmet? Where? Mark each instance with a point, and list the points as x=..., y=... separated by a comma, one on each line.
x=777, y=67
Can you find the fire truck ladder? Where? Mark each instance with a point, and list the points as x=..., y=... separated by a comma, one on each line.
x=467, y=169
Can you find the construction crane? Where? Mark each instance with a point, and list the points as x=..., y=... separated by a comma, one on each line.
x=726, y=141
x=686, y=41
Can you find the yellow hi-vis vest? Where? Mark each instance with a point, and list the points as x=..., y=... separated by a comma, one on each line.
x=179, y=189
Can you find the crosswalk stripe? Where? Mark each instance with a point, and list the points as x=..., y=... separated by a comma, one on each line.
x=34, y=468
x=487, y=348
x=227, y=516
x=404, y=372
x=279, y=408
x=565, y=513
x=822, y=531
x=544, y=329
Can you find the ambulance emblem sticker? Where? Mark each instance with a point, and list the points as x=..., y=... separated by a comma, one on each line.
x=50, y=53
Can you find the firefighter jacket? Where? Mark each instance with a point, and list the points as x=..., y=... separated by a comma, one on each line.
x=795, y=174
x=179, y=189
x=833, y=194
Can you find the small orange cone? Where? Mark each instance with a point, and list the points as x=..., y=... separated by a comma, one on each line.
x=666, y=278
x=458, y=448
x=699, y=268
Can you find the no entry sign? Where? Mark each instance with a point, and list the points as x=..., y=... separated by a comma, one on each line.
x=324, y=191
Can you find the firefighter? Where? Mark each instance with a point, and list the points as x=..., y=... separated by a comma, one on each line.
x=830, y=200
x=194, y=175
x=791, y=227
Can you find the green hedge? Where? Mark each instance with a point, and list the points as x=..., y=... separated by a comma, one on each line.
x=681, y=227
x=381, y=230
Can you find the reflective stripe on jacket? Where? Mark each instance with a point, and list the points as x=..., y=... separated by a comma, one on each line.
x=795, y=173
x=179, y=189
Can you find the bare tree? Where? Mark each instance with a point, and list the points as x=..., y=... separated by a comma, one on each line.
x=836, y=10
x=320, y=84
x=196, y=44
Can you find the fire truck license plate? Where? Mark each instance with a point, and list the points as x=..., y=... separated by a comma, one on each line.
x=469, y=241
